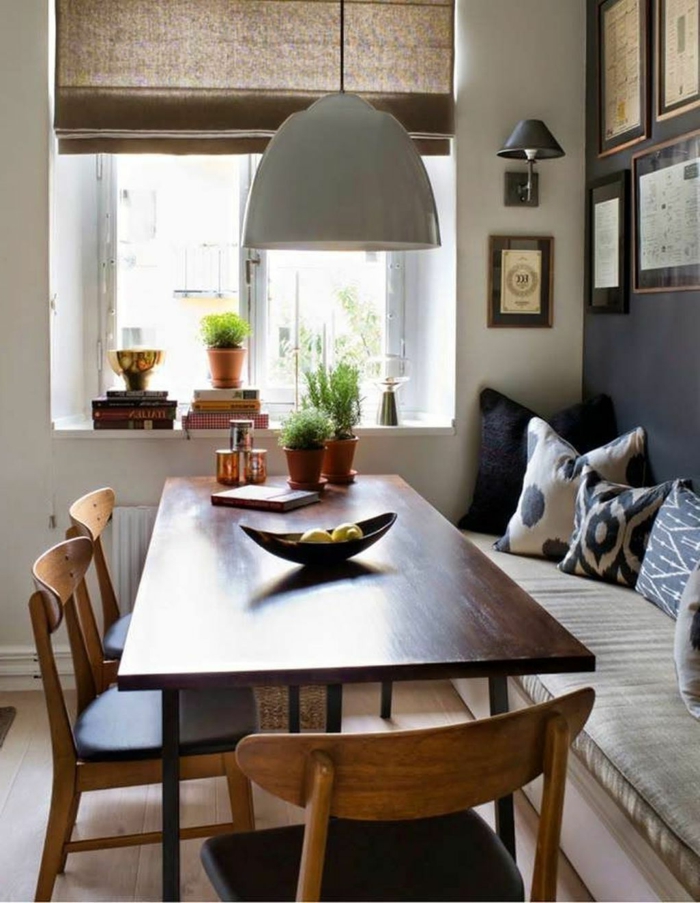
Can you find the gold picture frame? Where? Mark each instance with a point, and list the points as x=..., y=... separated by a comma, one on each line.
x=521, y=279
x=623, y=74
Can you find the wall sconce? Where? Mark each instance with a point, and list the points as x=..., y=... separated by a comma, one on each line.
x=531, y=140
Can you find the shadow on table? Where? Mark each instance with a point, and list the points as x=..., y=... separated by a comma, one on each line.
x=309, y=577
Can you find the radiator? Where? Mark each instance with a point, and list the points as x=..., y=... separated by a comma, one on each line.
x=131, y=534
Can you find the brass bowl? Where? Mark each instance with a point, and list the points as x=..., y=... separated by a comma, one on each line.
x=136, y=365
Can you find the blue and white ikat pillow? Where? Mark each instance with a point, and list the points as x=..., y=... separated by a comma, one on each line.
x=612, y=528
x=544, y=519
x=673, y=551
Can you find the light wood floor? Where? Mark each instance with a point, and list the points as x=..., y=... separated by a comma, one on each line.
x=134, y=873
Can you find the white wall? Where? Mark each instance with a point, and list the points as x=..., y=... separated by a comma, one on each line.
x=518, y=59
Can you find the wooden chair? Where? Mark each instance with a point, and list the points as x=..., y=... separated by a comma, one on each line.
x=116, y=740
x=89, y=516
x=404, y=829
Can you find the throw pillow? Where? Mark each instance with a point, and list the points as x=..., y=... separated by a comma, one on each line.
x=687, y=645
x=673, y=550
x=612, y=528
x=503, y=453
x=543, y=522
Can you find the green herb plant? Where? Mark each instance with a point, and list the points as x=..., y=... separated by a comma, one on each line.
x=306, y=429
x=336, y=392
x=224, y=330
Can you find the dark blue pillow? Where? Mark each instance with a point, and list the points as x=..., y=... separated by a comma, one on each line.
x=673, y=551
x=503, y=454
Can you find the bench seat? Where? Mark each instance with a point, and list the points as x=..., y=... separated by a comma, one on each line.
x=640, y=743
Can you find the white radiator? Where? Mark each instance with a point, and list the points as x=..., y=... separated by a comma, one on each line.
x=131, y=534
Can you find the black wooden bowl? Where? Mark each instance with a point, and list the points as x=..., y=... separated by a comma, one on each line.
x=287, y=545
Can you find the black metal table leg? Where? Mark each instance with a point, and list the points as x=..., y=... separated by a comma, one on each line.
x=171, y=794
x=505, y=822
x=294, y=710
x=387, y=689
x=334, y=708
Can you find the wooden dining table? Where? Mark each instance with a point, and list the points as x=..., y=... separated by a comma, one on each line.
x=214, y=609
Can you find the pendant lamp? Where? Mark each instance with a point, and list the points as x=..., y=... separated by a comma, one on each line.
x=341, y=176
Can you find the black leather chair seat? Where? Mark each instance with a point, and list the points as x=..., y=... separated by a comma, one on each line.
x=115, y=637
x=127, y=725
x=452, y=857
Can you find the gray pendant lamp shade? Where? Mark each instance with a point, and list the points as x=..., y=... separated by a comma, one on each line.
x=531, y=135
x=341, y=176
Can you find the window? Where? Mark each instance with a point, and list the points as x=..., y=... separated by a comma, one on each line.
x=145, y=245
x=176, y=222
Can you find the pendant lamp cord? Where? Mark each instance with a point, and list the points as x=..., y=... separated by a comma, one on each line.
x=342, y=46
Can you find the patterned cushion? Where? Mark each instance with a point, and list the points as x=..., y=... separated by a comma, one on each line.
x=543, y=522
x=612, y=528
x=687, y=645
x=673, y=550
x=503, y=452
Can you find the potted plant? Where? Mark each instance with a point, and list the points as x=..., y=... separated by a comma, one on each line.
x=303, y=438
x=223, y=334
x=336, y=392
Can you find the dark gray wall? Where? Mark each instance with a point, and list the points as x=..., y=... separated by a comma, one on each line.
x=647, y=360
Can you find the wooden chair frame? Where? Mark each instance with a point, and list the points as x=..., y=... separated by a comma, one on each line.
x=89, y=516
x=420, y=774
x=59, y=576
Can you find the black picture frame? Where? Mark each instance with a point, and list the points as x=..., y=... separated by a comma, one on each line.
x=666, y=189
x=607, y=244
x=666, y=109
x=529, y=284
x=611, y=141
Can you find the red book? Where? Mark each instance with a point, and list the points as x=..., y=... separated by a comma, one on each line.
x=267, y=498
x=133, y=424
x=140, y=413
x=220, y=420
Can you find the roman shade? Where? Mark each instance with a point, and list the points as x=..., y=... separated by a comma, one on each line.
x=221, y=76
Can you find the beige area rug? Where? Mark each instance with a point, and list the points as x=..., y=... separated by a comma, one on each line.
x=7, y=716
x=272, y=708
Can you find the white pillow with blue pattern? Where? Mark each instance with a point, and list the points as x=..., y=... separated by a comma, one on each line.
x=612, y=528
x=687, y=645
x=673, y=551
x=544, y=519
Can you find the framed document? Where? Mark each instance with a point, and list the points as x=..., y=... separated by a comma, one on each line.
x=607, y=244
x=677, y=57
x=623, y=82
x=666, y=203
x=521, y=272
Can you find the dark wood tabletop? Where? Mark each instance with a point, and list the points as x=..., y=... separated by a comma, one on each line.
x=215, y=609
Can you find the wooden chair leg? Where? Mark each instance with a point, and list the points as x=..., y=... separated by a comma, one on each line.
x=240, y=795
x=63, y=797
x=69, y=830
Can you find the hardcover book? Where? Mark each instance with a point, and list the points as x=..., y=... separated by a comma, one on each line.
x=226, y=394
x=133, y=424
x=240, y=404
x=110, y=402
x=137, y=393
x=267, y=498
x=221, y=420
x=146, y=412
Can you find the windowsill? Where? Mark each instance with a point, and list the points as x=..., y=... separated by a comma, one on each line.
x=74, y=428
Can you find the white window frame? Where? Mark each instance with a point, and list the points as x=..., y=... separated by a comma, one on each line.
x=253, y=278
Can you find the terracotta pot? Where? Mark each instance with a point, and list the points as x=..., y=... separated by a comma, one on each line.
x=337, y=461
x=226, y=366
x=304, y=465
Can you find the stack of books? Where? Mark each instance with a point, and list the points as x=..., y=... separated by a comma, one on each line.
x=213, y=409
x=147, y=409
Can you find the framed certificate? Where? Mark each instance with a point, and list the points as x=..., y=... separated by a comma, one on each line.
x=607, y=244
x=623, y=82
x=666, y=201
x=521, y=275
x=677, y=57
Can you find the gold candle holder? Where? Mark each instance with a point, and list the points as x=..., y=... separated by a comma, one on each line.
x=227, y=470
x=256, y=465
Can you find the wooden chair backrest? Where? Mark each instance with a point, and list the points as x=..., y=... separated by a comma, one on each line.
x=58, y=574
x=89, y=515
x=423, y=773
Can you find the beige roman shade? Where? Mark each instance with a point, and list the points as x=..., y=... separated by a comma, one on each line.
x=220, y=76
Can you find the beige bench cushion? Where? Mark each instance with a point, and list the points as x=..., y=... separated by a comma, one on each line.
x=640, y=741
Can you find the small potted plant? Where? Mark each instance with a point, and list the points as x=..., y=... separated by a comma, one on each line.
x=336, y=392
x=223, y=334
x=303, y=437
